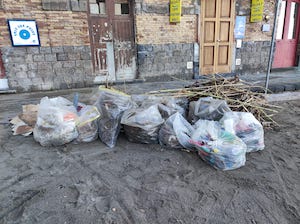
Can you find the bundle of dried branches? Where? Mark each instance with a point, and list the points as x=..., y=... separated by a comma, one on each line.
x=236, y=93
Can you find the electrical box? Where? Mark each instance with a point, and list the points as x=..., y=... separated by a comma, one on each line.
x=266, y=28
x=238, y=43
x=189, y=65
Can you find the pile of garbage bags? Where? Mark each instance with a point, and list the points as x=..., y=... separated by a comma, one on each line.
x=221, y=137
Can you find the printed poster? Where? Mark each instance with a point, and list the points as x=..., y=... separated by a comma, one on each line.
x=257, y=11
x=24, y=33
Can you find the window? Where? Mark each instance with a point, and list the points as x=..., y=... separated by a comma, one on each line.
x=121, y=7
x=98, y=7
x=279, y=33
x=293, y=21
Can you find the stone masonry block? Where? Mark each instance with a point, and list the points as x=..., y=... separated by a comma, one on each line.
x=79, y=6
x=83, y=5
x=15, y=59
x=15, y=67
x=50, y=57
x=21, y=74
x=57, y=65
x=31, y=74
x=45, y=50
x=57, y=49
x=79, y=49
x=45, y=74
x=36, y=80
x=32, y=66
x=33, y=50
x=87, y=64
x=68, y=64
x=45, y=66
x=28, y=58
x=88, y=70
x=79, y=63
x=38, y=57
x=62, y=57
x=56, y=5
x=74, y=56
x=85, y=56
x=20, y=51
x=68, y=49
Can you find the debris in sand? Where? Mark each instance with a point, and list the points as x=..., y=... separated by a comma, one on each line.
x=24, y=123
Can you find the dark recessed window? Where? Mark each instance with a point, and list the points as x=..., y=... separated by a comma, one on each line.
x=121, y=7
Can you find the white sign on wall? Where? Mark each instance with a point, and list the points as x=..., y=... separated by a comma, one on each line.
x=23, y=32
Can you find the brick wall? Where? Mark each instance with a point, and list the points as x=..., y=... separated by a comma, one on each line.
x=253, y=30
x=156, y=29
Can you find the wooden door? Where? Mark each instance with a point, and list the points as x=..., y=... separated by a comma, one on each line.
x=216, y=36
x=124, y=46
x=287, y=34
x=112, y=39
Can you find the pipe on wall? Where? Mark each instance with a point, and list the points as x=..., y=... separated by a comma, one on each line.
x=272, y=46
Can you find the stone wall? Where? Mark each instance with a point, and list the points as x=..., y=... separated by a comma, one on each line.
x=163, y=61
x=47, y=68
x=254, y=56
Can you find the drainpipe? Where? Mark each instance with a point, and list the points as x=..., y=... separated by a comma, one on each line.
x=196, y=61
x=272, y=46
x=2, y=69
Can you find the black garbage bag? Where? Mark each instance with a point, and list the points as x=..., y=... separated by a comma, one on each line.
x=111, y=105
x=207, y=108
x=142, y=125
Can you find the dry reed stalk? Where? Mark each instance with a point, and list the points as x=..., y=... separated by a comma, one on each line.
x=237, y=94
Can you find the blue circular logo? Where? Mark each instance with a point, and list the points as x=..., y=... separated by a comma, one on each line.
x=24, y=34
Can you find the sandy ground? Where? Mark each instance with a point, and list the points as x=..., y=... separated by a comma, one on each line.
x=136, y=184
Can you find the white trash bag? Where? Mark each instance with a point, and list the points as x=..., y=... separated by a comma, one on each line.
x=246, y=127
x=221, y=149
x=87, y=124
x=176, y=133
x=56, y=122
